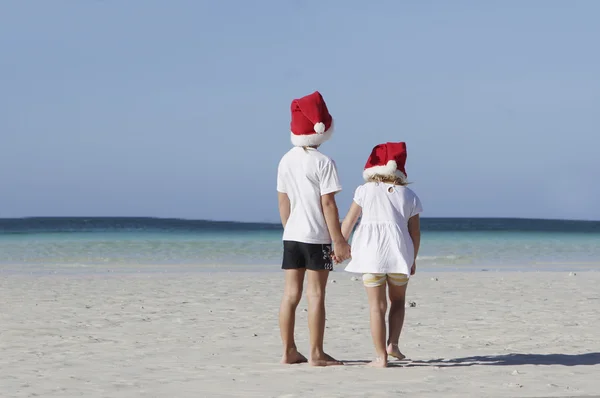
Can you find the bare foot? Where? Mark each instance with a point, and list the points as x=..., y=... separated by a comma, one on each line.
x=293, y=357
x=378, y=363
x=394, y=351
x=324, y=360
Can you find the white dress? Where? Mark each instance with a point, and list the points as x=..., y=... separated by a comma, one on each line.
x=381, y=242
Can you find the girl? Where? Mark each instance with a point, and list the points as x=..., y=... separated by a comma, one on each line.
x=386, y=243
x=307, y=182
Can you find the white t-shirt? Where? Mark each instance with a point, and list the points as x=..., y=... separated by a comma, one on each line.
x=306, y=175
x=382, y=243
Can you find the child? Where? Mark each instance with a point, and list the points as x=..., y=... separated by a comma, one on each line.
x=385, y=244
x=307, y=182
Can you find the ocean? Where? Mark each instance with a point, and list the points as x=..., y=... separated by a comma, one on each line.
x=123, y=245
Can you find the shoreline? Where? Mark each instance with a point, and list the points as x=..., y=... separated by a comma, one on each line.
x=179, y=269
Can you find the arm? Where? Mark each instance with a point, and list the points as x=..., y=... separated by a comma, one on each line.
x=414, y=230
x=350, y=220
x=332, y=219
x=284, y=207
x=329, y=186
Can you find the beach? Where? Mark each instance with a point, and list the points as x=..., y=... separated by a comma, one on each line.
x=201, y=334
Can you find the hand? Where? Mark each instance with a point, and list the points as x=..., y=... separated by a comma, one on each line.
x=336, y=259
x=341, y=252
x=413, y=269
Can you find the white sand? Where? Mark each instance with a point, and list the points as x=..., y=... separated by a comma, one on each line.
x=213, y=335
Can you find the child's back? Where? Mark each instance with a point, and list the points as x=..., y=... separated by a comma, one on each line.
x=384, y=203
x=305, y=174
x=382, y=243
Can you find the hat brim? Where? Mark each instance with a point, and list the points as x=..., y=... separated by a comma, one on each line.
x=390, y=169
x=312, y=139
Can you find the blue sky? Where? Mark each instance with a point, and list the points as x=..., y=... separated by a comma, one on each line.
x=181, y=108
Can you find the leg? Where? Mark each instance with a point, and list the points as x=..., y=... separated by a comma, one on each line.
x=376, y=286
x=317, y=283
x=397, y=284
x=294, y=279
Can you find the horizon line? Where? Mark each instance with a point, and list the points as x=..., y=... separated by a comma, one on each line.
x=275, y=223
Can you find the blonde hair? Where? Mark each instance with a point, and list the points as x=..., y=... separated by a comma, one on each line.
x=387, y=179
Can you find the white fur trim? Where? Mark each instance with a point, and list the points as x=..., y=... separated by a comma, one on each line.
x=312, y=139
x=390, y=169
x=319, y=128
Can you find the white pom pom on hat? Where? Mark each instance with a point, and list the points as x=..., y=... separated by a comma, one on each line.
x=319, y=128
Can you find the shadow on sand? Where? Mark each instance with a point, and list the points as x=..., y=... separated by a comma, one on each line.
x=588, y=359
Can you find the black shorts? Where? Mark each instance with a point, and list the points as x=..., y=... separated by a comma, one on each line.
x=311, y=256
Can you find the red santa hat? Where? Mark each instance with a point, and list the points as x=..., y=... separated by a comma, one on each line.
x=387, y=160
x=311, y=122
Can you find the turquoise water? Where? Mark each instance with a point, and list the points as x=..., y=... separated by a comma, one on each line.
x=132, y=245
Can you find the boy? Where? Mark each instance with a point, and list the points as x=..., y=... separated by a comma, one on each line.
x=307, y=182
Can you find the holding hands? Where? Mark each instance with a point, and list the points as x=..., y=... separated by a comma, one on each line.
x=341, y=251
